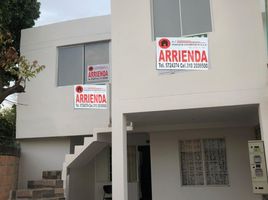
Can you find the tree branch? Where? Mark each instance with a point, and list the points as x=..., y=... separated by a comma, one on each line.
x=17, y=88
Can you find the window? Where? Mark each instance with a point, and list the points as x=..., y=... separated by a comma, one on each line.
x=73, y=61
x=175, y=18
x=203, y=162
x=70, y=65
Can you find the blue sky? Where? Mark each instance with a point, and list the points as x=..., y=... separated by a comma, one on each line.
x=53, y=11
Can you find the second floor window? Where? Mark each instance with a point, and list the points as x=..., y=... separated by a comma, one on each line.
x=176, y=18
x=73, y=61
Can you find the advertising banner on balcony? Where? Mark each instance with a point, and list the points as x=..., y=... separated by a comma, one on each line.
x=98, y=73
x=90, y=96
x=182, y=53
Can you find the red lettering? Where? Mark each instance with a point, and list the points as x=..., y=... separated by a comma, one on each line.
x=81, y=98
x=168, y=56
x=204, y=57
x=174, y=56
x=190, y=56
x=161, y=56
x=184, y=56
x=91, y=98
x=85, y=98
x=197, y=56
x=104, y=99
x=98, y=74
x=77, y=99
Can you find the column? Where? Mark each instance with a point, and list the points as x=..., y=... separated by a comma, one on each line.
x=119, y=157
x=263, y=118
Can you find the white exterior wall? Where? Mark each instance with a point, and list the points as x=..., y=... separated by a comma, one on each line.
x=237, y=73
x=46, y=110
x=82, y=182
x=103, y=169
x=166, y=180
x=38, y=155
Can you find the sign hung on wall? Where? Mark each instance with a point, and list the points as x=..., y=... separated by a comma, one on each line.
x=182, y=53
x=90, y=96
x=98, y=73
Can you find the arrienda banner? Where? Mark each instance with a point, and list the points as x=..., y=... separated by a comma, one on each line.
x=182, y=53
x=98, y=73
x=90, y=96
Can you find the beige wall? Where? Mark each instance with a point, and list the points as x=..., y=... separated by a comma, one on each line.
x=38, y=155
x=46, y=110
x=165, y=166
x=82, y=182
x=237, y=73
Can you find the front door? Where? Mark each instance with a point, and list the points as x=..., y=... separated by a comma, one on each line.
x=145, y=172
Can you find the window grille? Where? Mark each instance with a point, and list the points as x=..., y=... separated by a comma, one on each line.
x=203, y=162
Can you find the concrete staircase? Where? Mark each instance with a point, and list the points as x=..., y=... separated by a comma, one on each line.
x=49, y=188
x=92, y=145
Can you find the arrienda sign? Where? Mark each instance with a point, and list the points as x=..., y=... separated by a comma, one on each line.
x=90, y=96
x=98, y=73
x=182, y=53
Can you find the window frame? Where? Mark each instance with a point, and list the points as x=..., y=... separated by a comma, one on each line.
x=58, y=70
x=83, y=80
x=204, y=162
x=152, y=14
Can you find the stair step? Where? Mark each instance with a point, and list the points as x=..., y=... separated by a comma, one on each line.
x=50, y=198
x=45, y=183
x=51, y=174
x=35, y=193
x=78, y=149
x=88, y=140
x=59, y=192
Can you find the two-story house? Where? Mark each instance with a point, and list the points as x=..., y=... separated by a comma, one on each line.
x=164, y=134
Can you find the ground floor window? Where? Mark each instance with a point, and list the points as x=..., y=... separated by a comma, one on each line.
x=203, y=162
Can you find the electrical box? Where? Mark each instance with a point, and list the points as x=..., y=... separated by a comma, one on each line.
x=258, y=166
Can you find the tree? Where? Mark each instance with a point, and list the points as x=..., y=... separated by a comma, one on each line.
x=16, y=15
x=8, y=125
x=15, y=69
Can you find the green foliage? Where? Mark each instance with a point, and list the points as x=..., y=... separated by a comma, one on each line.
x=14, y=16
x=15, y=66
x=7, y=125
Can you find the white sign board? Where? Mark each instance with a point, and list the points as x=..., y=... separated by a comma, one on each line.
x=98, y=73
x=90, y=96
x=182, y=53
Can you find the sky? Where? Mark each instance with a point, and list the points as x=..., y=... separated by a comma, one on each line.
x=53, y=11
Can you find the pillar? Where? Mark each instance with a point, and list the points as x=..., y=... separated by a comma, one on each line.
x=119, y=157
